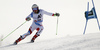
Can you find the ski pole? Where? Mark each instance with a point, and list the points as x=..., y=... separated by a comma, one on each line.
x=57, y=26
x=13, y=31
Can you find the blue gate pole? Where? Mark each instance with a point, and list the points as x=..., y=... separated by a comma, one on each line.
x=93, y=3
x=96, y=15
x=98, y=23
x=85, y=27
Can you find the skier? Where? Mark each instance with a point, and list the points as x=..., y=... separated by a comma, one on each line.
x=37, y=15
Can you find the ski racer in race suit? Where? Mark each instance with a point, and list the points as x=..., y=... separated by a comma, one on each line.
x=37, y=15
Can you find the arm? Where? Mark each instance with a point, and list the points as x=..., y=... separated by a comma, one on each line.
x=28, y=18
x=51, y=14
x=47, y=13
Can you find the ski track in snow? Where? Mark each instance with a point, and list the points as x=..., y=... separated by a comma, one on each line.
x=79, y=42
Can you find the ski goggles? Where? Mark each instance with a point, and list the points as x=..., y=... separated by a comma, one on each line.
x=34, y=8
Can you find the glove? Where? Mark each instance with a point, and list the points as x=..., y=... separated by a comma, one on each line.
x=28, y=19
x=57, y=14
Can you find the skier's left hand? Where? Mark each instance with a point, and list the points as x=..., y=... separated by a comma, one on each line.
x=57, y=14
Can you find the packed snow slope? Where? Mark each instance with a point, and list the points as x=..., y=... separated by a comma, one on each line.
x=80, y=42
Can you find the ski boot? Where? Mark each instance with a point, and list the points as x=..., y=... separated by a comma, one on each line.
x=34, y=37
x=18, y=40
x=32, y=40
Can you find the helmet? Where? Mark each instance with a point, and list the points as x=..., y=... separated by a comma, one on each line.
x=34, y=6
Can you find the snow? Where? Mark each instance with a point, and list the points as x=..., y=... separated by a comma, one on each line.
x=89, y=41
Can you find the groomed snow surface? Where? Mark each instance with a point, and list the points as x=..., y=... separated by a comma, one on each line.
x=80, y=42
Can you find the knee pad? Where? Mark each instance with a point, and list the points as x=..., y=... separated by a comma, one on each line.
x=29, y=31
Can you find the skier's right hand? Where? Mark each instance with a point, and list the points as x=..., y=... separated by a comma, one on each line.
x=57, y=14
x=28, y=19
